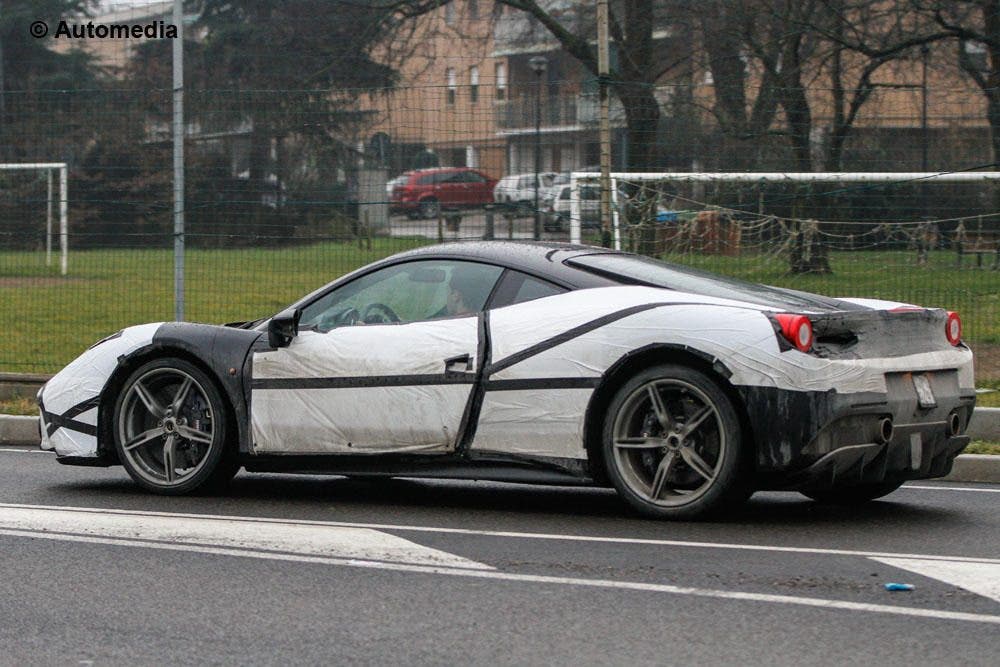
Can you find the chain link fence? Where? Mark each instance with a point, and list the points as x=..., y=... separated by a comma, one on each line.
x=289, y=187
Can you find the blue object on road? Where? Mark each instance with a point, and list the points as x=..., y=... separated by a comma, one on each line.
x=899, y=587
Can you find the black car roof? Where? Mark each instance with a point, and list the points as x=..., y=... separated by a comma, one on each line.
x=541, y=258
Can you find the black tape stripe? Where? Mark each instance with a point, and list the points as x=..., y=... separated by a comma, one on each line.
x=575, y=332
x=55, y=422
x=542, y=383
x=470, y=416
x=82, y=407
x=363, y=381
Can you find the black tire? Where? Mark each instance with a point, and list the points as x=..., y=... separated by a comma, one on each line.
x=430, y=208
x=170, y=398
x=852, y=495
x=694, y=424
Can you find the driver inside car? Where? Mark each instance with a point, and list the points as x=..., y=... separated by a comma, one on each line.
x=459, y=296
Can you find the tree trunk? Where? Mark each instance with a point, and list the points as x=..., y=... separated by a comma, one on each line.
x=642, y=118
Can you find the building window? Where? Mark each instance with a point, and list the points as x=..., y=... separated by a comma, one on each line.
x=451, y=85
x=473, y=9
x=473, y=84
x=501, y=81
x=449, y=12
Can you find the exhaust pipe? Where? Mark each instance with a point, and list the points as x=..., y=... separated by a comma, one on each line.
x=954, y=423
x=885, y=429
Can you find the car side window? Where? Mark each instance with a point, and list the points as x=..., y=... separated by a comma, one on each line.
x=407, y=292
x=533, y=288
x=517, y=287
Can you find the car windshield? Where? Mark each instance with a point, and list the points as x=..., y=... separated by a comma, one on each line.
x=634, y=269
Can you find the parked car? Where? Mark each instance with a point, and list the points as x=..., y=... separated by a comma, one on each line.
x=520, y=188
x=424, y=192
x=391, y=184
x=541, y=362
x=557, y=207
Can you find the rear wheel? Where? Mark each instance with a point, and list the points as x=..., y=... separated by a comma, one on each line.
x=852, y=495
x=672, y=444
x=170, y=429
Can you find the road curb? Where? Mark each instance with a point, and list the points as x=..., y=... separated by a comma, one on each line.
x=20, y=431
x=985, y=424
x=23, y=432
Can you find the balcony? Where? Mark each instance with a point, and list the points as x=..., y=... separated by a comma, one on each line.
x=519, y=113
x=564, y=112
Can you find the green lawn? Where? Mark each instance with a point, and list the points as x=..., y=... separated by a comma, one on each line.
x=47, y=320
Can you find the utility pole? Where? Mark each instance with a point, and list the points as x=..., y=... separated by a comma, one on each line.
x=538, y=65
x=603, y=74
x=179, y=161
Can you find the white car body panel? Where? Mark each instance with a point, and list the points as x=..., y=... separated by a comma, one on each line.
x=368, y=419
x=82, y=381
x=736, y=333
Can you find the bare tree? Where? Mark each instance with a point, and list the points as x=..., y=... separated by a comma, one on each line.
x=640, y=64
x=808, y=59
x=975, y=26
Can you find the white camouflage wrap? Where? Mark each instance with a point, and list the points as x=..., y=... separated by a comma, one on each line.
x=82, y=381
x=550, y=423
x=322, y=414
x=353, y=419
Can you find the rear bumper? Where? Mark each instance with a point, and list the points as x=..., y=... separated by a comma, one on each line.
x=902, y=459
x=816, y=439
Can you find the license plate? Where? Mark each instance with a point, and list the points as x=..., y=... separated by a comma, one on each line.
x=925, y=396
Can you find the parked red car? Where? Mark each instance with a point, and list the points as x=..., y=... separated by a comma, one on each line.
x=423, y=192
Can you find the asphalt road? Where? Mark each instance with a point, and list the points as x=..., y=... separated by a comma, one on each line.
x=326, y=570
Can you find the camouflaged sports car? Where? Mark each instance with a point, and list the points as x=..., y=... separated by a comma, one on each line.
x=533, y=362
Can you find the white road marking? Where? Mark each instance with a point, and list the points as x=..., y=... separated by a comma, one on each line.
x=341, y=543
x=25, y=450
x=519, y=535
x=949, y=488
x=820, y=603
x=979, y=578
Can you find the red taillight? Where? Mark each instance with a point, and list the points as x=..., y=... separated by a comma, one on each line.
x=953, y=328
x=797, y=330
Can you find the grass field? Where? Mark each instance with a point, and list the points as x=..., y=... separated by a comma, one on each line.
x=47, y=319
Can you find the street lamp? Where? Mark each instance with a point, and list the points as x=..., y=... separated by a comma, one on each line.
x=538, y=65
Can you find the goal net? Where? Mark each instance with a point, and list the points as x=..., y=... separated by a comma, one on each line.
x=742, y=213
x=34, y=209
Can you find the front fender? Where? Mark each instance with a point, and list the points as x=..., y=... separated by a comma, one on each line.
x=69, y=401
x=224, y=352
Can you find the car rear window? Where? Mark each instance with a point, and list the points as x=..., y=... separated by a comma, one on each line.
x=635, y=269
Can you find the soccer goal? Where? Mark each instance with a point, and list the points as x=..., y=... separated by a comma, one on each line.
x=770, y=204
x=52, y=171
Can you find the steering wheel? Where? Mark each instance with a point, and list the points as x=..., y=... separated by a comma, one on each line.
x=378, y=310
x=330, y=321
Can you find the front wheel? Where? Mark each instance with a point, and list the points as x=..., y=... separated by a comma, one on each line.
x=170, y=429
x=672, y=444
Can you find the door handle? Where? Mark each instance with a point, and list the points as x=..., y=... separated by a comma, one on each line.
x=459, y=364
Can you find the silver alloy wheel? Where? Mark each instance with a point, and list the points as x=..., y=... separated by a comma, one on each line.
x=165, y=425
x=669, y=442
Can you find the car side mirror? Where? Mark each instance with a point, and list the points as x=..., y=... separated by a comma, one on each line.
x=283, y=327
